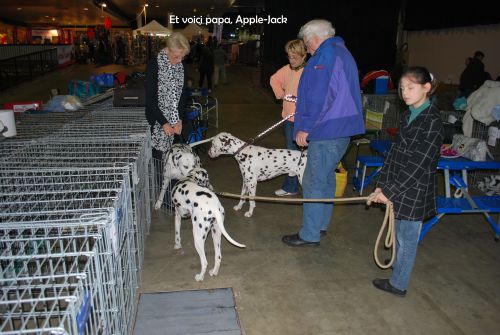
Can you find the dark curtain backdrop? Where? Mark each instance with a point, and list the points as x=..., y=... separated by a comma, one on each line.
x=368, y=28
x=427, y=14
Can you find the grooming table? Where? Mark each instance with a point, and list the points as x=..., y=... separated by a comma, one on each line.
x=455, y=174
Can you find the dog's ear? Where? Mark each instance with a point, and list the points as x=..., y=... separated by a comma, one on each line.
x=204, y=182
x=203, y=179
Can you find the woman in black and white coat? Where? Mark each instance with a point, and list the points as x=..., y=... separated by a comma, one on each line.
x=164, y=81
x=408, y=177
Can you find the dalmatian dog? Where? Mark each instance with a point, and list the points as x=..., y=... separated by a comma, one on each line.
x=178, y=162
x=193, y=197
x=258, y=163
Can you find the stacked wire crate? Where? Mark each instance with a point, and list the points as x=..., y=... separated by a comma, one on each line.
x=75, y=211
x=480, y=130
x=382, y=112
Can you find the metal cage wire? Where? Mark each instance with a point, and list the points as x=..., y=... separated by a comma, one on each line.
x=76, y=192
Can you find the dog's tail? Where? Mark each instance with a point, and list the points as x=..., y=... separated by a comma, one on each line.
x=220, y=222
x=200, y=142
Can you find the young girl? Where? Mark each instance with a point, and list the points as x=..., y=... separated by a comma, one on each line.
x=408, y=177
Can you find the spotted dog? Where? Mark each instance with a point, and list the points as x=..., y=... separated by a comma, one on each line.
x=178, y=162
x=258, y=163
x=192, y=197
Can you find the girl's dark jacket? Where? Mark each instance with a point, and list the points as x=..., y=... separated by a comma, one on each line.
x=408, y=177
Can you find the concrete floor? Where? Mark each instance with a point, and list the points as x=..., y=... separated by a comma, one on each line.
x=325, y=290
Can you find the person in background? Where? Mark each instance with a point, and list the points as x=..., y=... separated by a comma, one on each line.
x=328, y=112
x=235, y=52
x=285, y=82
x=408, y=177
x=220, y=60
x=206, y=66
x=473, y=76
x=120, y=51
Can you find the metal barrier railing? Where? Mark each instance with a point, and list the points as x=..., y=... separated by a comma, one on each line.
x=20, y=68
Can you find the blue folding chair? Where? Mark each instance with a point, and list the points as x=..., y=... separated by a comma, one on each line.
x=207, y=105
x=199, y=126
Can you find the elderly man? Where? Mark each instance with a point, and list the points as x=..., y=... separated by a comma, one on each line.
x=328, y=112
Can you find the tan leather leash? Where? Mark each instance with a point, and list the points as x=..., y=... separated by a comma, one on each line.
x=388, y=223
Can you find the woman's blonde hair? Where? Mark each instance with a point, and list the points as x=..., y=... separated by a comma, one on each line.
x=296, y=47
x=179, y=42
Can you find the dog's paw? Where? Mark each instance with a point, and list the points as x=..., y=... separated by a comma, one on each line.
x=213, y=272
x=248, y=214
x=237, y=208
x=158, y=205
x=199, y=277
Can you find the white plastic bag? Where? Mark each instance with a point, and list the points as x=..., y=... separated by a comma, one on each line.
x=471, y=148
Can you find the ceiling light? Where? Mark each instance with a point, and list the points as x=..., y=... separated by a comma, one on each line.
x=146, y=5
x=212, y=7
x=104, y=5
x=157, y=6
x=194, y=10
x=19, y=8
x=85, y=8
x=53, y=19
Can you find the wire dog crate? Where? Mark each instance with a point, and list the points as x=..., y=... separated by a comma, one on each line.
x=480, y=130
x=84, y=155
x=52, y=281
x=76, y=192
x=156, y=177
x=382, y=112
x=38, y=205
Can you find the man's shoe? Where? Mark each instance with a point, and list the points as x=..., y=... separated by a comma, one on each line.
x=322, y=232
x=296, y=241
x=281, y=193
x=385, y=285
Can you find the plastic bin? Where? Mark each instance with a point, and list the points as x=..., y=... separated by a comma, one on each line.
x=381, y=85
x=340, y=180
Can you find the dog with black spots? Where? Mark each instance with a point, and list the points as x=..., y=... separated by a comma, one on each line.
x=178, y=162
x=258, y=163
x=193, y=197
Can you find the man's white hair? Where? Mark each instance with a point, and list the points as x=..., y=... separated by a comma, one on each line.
x=320, y=28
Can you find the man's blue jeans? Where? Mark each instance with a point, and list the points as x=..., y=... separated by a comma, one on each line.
x=290, y=184
x=319, y=182
x=407, y=234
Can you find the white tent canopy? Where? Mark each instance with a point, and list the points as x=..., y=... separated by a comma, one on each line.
x=153, y=28
x=194, y=30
